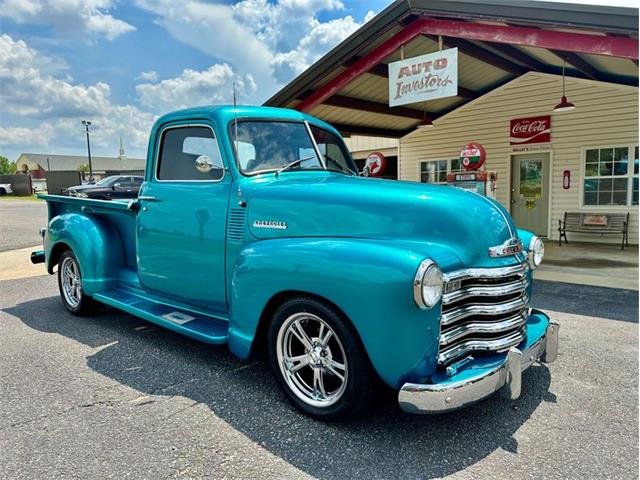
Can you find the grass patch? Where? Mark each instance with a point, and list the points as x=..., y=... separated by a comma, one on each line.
x=18, y=197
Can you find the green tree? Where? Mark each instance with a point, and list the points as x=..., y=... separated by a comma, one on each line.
x=7, y=167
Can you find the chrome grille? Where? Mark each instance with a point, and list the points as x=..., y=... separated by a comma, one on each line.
x=483, y=310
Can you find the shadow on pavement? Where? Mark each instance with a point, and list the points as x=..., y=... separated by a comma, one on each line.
x=385, y=444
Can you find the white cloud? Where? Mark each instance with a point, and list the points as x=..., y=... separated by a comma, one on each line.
x=29, y=96
x=150, y=76
x=271, y=42
x=39, y=136
x=320, y=39
x=190, y=88
x=88, y=17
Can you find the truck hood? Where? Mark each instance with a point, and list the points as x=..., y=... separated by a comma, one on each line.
x=426, y=218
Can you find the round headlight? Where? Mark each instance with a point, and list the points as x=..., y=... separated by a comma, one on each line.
x=536, y=252
x=427, y=286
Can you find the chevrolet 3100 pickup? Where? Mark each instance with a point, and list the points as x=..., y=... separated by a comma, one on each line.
x=253, y=229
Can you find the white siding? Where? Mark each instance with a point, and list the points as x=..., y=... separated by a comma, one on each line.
x=605, y=115
x=361, y=146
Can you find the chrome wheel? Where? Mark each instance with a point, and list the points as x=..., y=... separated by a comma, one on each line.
x=71, y=282
x=312, y=359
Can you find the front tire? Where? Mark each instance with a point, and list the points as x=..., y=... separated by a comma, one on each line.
x=70, y=286
x=318, y=361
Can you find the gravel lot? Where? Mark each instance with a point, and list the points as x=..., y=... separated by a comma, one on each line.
x=113, y=397
x=20, y=221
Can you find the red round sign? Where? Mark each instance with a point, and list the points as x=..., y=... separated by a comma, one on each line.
x=376, y=164
x=472, y=156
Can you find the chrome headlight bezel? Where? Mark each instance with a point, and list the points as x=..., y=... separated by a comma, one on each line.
x=428, y=276
x=535, y=253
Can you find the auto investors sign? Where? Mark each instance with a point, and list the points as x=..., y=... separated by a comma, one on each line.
x=423, y=78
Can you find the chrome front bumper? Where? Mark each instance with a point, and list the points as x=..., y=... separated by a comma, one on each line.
x=507, y=375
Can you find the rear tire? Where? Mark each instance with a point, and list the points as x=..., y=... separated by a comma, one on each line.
x=2, y=192
x=318, y=361
x=70, y=285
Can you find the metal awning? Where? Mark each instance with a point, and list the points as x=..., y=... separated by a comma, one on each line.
x=497, y=41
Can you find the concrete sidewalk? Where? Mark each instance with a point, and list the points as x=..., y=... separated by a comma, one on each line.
x=597, y=264
x=17, y=264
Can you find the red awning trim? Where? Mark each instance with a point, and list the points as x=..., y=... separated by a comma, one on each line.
x=622, y=47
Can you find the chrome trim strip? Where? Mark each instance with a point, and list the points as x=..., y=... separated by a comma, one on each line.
x=481, y=327
x=445, y=397
x=486, y=291
x=488, y=309
x=519, y=269
x=497, y=344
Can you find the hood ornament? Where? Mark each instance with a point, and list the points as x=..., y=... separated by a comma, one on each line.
x=510, y=247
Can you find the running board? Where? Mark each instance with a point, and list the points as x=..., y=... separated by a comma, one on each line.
x=198, y=326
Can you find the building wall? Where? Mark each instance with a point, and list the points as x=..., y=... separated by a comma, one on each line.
x=605, y=115
x=361, y=146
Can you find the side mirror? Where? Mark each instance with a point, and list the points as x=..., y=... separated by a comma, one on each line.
x=204, y=164
x=366, y=171
x=116, y=185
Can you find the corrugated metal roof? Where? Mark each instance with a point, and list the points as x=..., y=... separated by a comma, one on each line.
x=73, y=162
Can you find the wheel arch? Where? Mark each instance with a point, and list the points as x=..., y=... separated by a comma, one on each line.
x=94, y=241
x=368, y=282
x=278, y=299
x=56, y=253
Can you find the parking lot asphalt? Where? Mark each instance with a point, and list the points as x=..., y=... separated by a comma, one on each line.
x=112, y=396
x=20, y=221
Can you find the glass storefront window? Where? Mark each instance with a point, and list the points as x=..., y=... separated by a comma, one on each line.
x=609, y=176
x=435, y=171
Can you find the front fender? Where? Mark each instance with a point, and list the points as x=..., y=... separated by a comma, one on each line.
x=95, y=243
x=370, y=281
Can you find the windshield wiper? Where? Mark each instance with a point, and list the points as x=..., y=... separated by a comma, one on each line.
x=293, y=164
x=337, y=164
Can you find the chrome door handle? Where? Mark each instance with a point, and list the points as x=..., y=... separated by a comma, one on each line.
x=148, y=199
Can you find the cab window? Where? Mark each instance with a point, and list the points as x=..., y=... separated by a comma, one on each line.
x=180, y=147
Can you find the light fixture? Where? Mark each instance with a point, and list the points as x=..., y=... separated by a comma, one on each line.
x=426, y=120
x=564, y=105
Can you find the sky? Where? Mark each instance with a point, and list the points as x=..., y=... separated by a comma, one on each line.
x=120, y=64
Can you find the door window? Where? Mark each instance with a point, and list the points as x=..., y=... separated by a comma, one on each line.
x=531, y=178
x=180, y=148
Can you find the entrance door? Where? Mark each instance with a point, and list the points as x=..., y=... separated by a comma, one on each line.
x=530, y=192
x=182, y=220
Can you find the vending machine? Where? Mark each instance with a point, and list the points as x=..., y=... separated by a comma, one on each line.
x=474, y=177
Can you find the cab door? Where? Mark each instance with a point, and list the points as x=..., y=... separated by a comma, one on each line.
x=181, y=222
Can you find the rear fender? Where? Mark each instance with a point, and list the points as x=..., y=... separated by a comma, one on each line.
x=370, y=281
x=95, y=243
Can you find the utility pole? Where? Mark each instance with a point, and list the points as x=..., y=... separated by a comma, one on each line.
x=86, y=124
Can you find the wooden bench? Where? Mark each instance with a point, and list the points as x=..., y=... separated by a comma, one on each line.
x=601, y=223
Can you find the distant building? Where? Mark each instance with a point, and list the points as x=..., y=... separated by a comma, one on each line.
x=37, y=165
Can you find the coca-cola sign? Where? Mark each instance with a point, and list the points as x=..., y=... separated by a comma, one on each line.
x=530, y=130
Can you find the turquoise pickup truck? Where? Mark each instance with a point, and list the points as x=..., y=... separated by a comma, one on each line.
x=254, y=229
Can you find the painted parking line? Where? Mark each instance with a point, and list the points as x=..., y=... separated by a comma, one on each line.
x=17, y=264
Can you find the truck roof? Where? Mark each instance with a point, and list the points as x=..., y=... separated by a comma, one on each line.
x=224, y=114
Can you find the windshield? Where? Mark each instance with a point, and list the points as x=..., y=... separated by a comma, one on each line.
x=107, y=181
x=265, y=146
